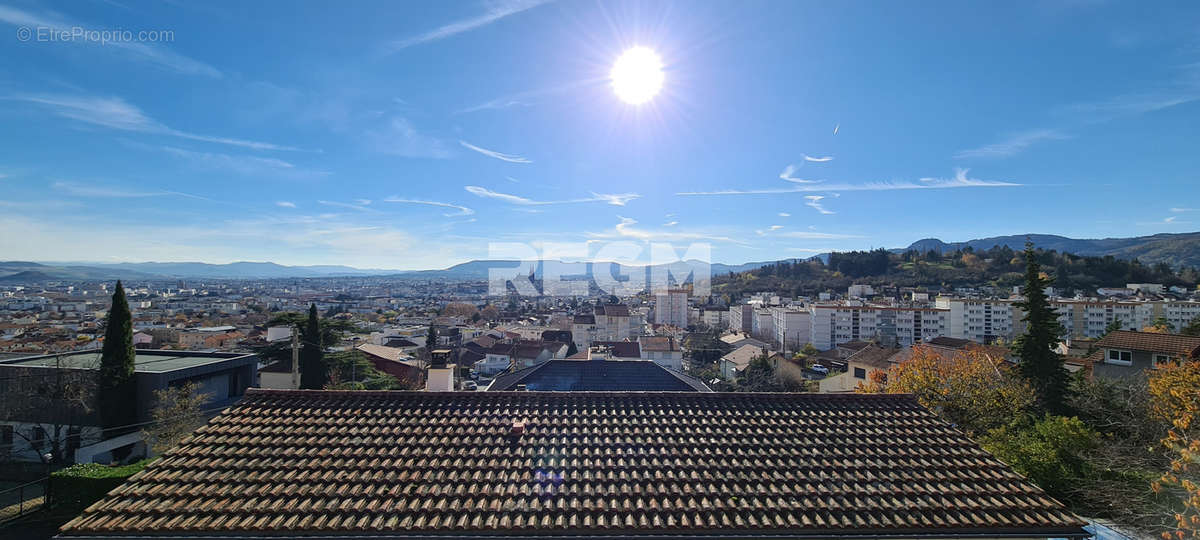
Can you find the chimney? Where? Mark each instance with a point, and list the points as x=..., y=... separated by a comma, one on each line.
x=517, y=429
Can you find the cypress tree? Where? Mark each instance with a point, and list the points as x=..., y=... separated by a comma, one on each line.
x=313, y=375
x=1039, y=363
x=117, y=392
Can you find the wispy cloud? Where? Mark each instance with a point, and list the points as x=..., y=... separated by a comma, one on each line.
x=625, y=228
x=143, y=52
x=814, y=201
x=817, y=159
x=960, y=180
x=462, y=210
x=670, y=224
x=805, y=235
x=1012, y=145
x=784, y=214
x=350, y=206
x=401, y=138
x=775, y=227
x=285, y=204
x=1179, y=210
x=788, y=173
x=243, y=164
x=116, y=113
x=511, y=158
x=615, y=199
x=495, y=12
x=92, y=190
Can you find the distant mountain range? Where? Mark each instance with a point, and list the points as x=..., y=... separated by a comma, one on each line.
x=1182, y=249
x=1174, y=249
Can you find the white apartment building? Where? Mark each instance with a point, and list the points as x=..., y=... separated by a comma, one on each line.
x=860, y=291
x=741, y=318
x=979, y=320
x=762, y=324
x=670, y=307
x=834, y=324
x=612, y=323
x=793, y=327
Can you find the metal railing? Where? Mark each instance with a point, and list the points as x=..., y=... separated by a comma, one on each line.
x=20, y=500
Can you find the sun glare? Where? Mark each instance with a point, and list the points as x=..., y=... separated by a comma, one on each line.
x=637, y=75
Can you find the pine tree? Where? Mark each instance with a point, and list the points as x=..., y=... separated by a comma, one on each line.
x=1038, y=362
x=117, y=399
x=312, y=362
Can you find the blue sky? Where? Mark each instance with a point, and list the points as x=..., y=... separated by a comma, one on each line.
x=414, y=135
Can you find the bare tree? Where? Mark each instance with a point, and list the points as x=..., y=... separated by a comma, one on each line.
x=178, y=411
x=57, y=401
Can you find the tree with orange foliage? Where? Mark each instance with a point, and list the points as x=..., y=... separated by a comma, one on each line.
x=1175, y=397
x=971, y=388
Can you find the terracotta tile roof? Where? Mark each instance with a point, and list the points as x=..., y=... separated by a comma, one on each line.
x=658, y=343
x=584, y=464
x=874, y=356
x=1172, y=344
x=949, y=342
x=621, y=349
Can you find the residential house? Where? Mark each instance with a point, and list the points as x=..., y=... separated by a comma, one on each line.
x=859, y=367
x=662, y=350
x=393, y=361
x=37, y=414
x=1123, y=353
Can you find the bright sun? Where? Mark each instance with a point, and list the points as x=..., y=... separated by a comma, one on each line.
x=637, y=75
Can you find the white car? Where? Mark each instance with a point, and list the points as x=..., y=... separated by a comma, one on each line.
x=820, y=369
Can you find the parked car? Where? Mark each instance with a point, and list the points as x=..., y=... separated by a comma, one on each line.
x=820, y=369
x=470, y=385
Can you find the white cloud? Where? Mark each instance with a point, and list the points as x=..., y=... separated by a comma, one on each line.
x=814, y=201
x=496, y=11
x=285, y=204
x=776, y=227
x=960, y=180
x=784, y=214
x=615, y=199
x=806, y=235
x=92, y=190
x=1012, y=145
x=401, y=138
x=136, y=51
x=511, y=158
x=670, y=224
x=817, y=159
x=1178, y=210
x=789, y=171
x=359, y=207
x=116, y=113
x=462, y=210
x=626, y=229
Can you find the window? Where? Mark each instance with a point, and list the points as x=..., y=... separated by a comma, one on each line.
x=6, y=435
x=1119, y=357
x=37, y=437
x=1161, y=359
x=860, y=373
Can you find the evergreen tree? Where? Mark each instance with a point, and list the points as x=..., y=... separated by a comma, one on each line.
x=1038, y=362
x=313, y=374
x=572, y=349
x=1113, y=326
x=431, y=338
x=117, y=389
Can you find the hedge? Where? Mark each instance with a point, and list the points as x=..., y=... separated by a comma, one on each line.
x=78, y=486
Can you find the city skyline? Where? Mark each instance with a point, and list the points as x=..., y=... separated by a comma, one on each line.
x=412, y=137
